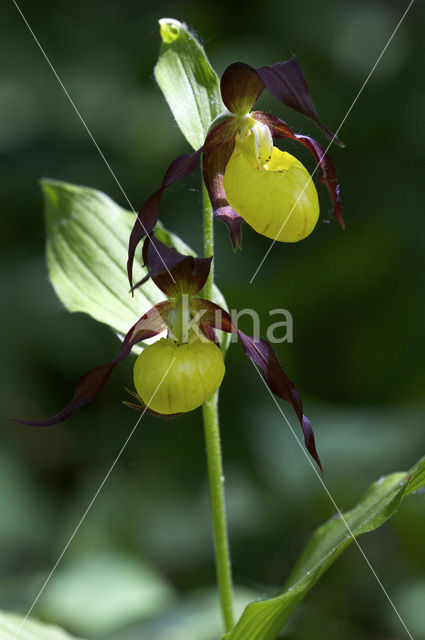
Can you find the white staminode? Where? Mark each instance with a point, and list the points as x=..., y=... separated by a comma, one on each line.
x=263, y=142
x=255, y=140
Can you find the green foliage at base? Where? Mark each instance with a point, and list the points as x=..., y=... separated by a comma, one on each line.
x=264, y=620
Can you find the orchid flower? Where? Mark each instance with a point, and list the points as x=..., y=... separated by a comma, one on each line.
x=179, y=372
x=246, y=176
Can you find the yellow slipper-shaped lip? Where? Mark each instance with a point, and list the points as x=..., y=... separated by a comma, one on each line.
x=279, y=199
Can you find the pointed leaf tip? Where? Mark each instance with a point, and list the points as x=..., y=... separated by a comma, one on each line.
x=187, y=80
x=86, y=236
x=377, y=505
x=169, y=29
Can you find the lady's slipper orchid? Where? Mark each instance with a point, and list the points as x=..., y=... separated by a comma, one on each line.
x=246, y=176
x=178, y=373
x=281, y=180
x=181, y=376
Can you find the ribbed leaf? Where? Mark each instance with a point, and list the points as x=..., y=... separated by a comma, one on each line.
x=264, y=620
x=188, y=82
x=87, y=239
x=31, y=630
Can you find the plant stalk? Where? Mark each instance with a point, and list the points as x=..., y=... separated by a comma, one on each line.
x=214, y=457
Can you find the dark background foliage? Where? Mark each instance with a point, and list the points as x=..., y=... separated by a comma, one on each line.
x=356, y=298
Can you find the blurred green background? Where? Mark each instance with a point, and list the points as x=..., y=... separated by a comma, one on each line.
x=141, y=565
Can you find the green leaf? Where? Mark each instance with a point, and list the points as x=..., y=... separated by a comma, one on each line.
x=31, y=630
x=188, y=82
x=87, y=239
x=263, y=620
x=104, y=591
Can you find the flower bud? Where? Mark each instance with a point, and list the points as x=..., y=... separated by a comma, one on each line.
x=278, y=199
x=172, y=378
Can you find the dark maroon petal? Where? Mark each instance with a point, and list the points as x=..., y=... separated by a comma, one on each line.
x=86, y=389
x=212, y=315
x=148, y=214
x=214, y=164
x=326, y=174
x=325, y=166
x=209, y=333
x=285, y=80
x=158, y=257
x=173, y=272
x=263, y=356
x=220, y=133
x=158, y=260
x=89, y=385
x=261, y=353
x=240, y=87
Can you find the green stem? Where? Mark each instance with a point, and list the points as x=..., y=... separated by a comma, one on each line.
x=214, y=457
x=208, y=229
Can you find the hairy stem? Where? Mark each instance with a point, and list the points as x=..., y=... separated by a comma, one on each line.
x=214, y=457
